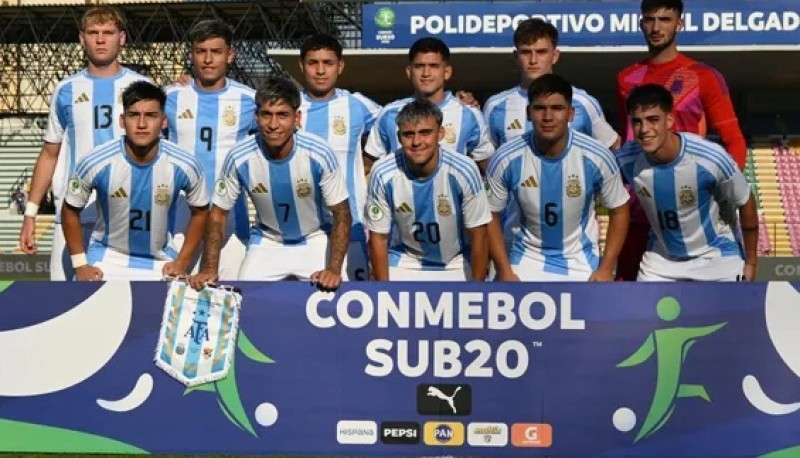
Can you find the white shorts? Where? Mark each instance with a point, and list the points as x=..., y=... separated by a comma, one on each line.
x=230, y=257
x=655, y=267
x=405, y=274
x=60, y=261
x=267, y=260
x=528, y=269
x=117, y=266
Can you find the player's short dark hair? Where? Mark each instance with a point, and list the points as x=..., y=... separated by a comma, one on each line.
x=208, y=29
x=550, y=84
x=531, y=30
x=142, y=90
x=651, y=5
x=648, y=96
x=417, y=110
x=277, y=89
x=320, y=41
x=429, y=45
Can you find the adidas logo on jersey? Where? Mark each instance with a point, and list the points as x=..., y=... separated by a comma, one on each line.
x=644, y=192
x=187, y=114
x=120, y=193
x=82, y=98
x=530, y=182
x=403, y=208
x=515, y=124
x=259, y=189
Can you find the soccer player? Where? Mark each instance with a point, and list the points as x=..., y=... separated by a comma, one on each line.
x=83, y=111
x=555, y=173
x=298, y=189
x=682, y=180
x=137, y=179
x=536, y=52
x=464, y=128
x=701, y=99
x=343, y=119
x=433, y=200
x=208, y=116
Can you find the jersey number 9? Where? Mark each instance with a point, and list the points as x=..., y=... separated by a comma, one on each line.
x=207, y=136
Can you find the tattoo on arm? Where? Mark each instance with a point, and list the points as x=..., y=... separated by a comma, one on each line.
x=215, y=233
x=340, y=236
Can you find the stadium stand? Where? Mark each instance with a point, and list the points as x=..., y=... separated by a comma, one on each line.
x=769, y=180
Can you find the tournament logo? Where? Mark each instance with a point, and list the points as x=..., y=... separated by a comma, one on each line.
x=449, y=134
x=303, y=189
x=220, y=188
x=443, y=207
x=162, y=195
x=229, y=116
x=686, y=196
x=338, y=126
x=400, y=432
x=444, y=433
x=574, y=186
x=74, y=186
x=385, y=18
x=444, y=399
x=375, y=213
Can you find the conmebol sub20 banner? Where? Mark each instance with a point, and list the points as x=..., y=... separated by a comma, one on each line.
x=407, y=369
x=491, y=24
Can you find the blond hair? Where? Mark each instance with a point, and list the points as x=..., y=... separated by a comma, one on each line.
x=102, y=15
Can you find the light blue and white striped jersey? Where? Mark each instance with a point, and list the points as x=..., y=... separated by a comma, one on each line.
x=682, y=199
x=209, y=124
x=465, y=129
x=426, y=217
x=291, y=195
x=84, y=114
x=344, y=120
x=135, y=201
x=507, y=116
x=555, y=198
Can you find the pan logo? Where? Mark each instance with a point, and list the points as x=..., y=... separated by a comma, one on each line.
x=439, y=433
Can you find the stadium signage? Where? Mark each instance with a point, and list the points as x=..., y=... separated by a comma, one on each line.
x=477, y=24
x=444, y=358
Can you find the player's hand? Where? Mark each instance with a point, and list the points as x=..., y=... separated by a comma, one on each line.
x=749, y=272
x=174, y=269
x=467, y=99
x=601, y=275
x=508, y=275
x=88, y=273
x=27, y=236
x=202, y=279
x=326, y=280
x=184, y=79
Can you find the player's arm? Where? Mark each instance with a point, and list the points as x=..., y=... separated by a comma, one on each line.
x=618, y=220
x=194, y=233
x=479, y=259
x=479, y=144
x=497, y=250
x=476, y=216
x=42, y=179
x=748, y=217
x=330, y=278
x=73, y=235
x=370, y=111
x=214, y=238
x=378, y=220
x=379, y=256
x=721, y=115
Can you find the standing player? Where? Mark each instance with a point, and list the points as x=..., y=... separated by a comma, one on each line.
x=208, y=116
x=464, y=128
x=343, y=119
x=536, y=53
x=83, y=111
x=682, y=180
x=701, y=99
x=295, y=183
x=554, y=174
x=137, y=179
x=432, y=200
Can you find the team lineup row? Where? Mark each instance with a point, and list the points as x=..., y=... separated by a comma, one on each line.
x=424, y=214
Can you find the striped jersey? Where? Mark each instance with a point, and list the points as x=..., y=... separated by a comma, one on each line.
x=465, y=129
x=682, y=199
x=344, y=120
x=506, y=114
x=555, y=198
x=135, y=201
x=84, y=114
x=426, y=217
x=291, y=195
x=209, y=123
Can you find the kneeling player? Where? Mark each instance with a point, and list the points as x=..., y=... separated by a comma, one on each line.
x=137, y=180
x=685, y=183
x=432, y=200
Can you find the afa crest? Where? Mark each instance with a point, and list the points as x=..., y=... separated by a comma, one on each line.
x=449, y=134
x=443, y=207
x=574, y=188
x=338, y=127
x=687, y=197
x=229, y=116
x=162, y=195
x=303, y=188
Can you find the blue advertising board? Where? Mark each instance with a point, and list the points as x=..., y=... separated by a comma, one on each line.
x=384, y=369
x=491, y=24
